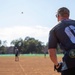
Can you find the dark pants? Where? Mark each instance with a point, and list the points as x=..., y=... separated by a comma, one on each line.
x=70, y=71
x=17, y=54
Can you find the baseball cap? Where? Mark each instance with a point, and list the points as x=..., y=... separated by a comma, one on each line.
x=63, y=11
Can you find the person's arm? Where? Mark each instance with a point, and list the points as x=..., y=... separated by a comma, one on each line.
x=52, y=45
x=52, y=55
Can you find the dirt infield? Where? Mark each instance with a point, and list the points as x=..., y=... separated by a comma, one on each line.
x=27, y=66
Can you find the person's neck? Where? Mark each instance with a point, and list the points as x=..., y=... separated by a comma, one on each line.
x=63, y=19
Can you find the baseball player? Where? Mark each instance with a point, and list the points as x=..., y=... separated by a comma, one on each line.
x=16, y=54
x=18, y=49
x=64, y=35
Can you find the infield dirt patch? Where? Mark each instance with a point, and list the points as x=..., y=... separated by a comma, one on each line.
x=27, y=66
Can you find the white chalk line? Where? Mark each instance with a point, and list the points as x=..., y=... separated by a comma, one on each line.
x=22, y=68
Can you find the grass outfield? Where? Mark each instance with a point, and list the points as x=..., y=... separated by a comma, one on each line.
x=29, y=55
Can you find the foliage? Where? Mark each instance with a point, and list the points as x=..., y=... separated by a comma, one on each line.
x=3, y=47
x=29, y=45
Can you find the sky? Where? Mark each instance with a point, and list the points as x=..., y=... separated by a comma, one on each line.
x=37, y=19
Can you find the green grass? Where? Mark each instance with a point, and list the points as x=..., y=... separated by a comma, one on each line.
x=28, y=55
x=60, y=55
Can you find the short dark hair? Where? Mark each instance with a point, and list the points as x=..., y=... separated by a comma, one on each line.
x=63, y=11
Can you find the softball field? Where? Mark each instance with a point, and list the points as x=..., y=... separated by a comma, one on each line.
x=27, y=65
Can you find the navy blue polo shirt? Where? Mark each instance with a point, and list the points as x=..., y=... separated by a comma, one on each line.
x=64, y=35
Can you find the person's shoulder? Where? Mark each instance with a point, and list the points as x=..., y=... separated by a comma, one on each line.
x=58, y=25
x=69, y=21
x=61, y=23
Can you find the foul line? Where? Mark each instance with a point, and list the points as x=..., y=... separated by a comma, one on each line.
x=21, y=68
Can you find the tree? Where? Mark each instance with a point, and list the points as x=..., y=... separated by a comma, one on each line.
x=31, y=45
x=3, y=49
x=14, y=42
x=4, y=43
x=18, y=43
x=0, y=42
x=3, y=46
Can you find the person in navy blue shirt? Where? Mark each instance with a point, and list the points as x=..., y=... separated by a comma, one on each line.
x=64, y=35
x=18, y=48
x=16, y=54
